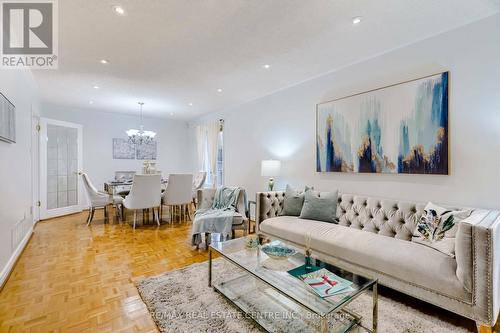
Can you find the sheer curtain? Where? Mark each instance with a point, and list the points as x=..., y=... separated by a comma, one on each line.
x=207, y=140
x=201, y=139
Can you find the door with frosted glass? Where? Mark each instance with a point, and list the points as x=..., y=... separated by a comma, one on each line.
x=60, y=163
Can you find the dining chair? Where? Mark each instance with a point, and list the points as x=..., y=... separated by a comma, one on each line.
x=178, y=194
x=125, y=177
x=98, y=199
x=198, y=182
x=144, y=194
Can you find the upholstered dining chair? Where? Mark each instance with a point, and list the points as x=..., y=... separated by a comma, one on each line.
x=98, y=199
x=198, y=182
x=144, y=194
x=178, y=194
x=124, y=176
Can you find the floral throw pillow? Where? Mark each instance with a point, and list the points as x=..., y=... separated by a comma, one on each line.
x=438, y=227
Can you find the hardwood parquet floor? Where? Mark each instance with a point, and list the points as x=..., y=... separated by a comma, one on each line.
x=74, y=278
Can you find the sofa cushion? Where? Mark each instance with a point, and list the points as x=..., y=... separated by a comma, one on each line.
x=320, y=206
x=237, y=218
x=410, y=262
x=294, y=199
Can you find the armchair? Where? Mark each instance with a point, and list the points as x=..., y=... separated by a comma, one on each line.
x=240, y=217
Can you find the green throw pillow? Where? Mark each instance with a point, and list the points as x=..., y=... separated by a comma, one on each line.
x=320, y=206
x=294, y=199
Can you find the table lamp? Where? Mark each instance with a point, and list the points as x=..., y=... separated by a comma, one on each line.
x=271, y=169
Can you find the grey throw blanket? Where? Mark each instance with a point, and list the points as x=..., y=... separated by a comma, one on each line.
x=219, y=217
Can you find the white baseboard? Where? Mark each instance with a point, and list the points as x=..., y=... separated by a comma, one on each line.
x=7, y=269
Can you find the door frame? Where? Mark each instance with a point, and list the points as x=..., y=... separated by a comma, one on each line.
x=35, y=164
x=44, y=213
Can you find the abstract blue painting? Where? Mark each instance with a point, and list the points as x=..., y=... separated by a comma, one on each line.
x=402, y=129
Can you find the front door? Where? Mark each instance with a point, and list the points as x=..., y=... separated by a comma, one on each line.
x=60, y=163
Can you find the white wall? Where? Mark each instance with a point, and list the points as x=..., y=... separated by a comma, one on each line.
x=282, y=125
x=15, y=169
x=99, y=128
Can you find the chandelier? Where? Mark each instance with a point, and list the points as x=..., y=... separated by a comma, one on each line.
x=140, y=136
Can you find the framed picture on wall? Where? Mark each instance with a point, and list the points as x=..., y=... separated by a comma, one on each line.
x=399, y=129
x=123, y=150
x=7, y=120
x=146, y=151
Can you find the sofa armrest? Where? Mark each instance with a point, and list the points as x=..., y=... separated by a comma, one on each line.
x=205, y=197
x=477, y=252
x=268, y=204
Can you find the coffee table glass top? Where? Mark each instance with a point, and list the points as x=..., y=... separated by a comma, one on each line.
x=274, y=272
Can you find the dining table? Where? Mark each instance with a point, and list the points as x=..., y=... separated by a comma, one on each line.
x=122, y=187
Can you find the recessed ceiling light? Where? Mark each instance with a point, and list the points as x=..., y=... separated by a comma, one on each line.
x=266, y=66
x=171, y=113
x=219, y=90
x=91, y=102
x=119, y=10
x=104, y=61
x=96, y=87
x=356, y=20
x=190, y=104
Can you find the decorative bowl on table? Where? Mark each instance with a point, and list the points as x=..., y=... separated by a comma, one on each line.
x=278, y=250
x=252, y=242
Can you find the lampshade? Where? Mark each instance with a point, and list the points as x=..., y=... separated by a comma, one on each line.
x=270, y=168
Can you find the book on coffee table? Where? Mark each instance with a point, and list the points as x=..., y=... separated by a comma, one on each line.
x=322, y=281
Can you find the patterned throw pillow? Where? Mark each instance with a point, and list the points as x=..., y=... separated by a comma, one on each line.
x=294, y=199
x=438, y=227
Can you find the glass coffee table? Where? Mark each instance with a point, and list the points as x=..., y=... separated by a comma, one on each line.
x=279, y=302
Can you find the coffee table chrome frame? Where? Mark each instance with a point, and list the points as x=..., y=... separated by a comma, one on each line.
x=324, y=318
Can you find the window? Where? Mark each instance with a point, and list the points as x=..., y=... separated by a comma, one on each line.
x=220, y=159
x=210, y=139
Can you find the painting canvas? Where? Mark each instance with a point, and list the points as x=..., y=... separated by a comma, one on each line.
x=146, y=151
x=123, y=150
x=397, y=129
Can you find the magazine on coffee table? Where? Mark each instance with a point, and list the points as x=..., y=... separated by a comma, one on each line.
x=322, y=281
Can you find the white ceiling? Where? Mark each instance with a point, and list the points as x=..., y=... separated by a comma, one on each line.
x=169, y=53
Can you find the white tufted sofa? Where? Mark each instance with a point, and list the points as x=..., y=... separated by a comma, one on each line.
x=373, y=238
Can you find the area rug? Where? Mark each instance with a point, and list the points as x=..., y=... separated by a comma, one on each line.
x=181, y=301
